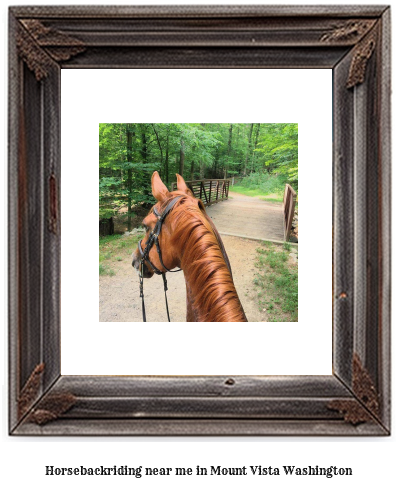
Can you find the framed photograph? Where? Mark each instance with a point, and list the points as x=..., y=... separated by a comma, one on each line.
x=212, y=226
x=232, y=388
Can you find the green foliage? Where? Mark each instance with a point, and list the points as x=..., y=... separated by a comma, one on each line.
x=267, y=154
x=109, y=202
x=277, y=282
x=279, y=145
x=106, y=270
x=124, y=176
x=265, y=183
x=256, y=192
x=199, y=144
x=116, y=248
x=287, y=246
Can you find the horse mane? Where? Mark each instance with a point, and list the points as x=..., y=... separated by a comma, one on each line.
x=205, y=263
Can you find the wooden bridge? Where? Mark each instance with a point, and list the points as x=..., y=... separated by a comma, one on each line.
x=245, y=216
x=209, y=191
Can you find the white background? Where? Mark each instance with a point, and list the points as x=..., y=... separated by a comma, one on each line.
x=159, y=348
x=374, y=460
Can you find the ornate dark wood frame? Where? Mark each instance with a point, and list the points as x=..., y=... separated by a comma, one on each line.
x=353, y=41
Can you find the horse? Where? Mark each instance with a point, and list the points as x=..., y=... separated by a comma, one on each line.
x=189, y=240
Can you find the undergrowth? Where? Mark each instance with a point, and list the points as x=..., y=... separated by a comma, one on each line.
x=116, y=248
x=277, y=282
x=270, y=187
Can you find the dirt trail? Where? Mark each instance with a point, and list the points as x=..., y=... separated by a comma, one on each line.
x=248, y=216
x=120, y=299
x=119, y=295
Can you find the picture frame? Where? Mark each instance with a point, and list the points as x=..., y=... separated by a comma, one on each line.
x=352, y=41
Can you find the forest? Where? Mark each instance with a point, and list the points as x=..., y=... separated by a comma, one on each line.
x=263, y=155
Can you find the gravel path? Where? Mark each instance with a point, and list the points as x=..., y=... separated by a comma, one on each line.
x=120, y=299
x=249, y=217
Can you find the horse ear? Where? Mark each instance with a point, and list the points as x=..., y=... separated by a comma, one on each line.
x=182, y=186
x=159, y=190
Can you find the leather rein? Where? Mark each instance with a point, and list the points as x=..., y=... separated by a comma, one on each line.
x=153, y=239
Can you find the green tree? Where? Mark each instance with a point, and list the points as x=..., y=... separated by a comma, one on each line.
x=279, y=146
x=130, y=152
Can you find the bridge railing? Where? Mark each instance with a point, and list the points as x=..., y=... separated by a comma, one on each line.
x=289, y=210
x=209, y=191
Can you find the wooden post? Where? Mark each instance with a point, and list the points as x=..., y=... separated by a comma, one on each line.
x=203, y=188
x=288, y=210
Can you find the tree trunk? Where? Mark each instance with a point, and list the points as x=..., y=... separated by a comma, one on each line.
x=159, y=143
x=248, y=149
x=144, y=158
x=256, y=142
x=202, y=163
x=215, y=165
x=106, y=226
x=202, y=170
x=129, y=155
x=192, y=171
x=143, y=150
x=181, y=166
x=167, y=158
x=228, y=151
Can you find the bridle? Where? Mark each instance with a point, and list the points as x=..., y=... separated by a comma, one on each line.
x=153, y=239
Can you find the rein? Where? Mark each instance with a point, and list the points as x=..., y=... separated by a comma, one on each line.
x=153, y=239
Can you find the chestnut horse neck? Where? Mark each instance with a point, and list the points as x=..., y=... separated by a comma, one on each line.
x=207, y=272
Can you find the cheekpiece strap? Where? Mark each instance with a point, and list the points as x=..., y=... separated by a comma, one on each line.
x=153, y=238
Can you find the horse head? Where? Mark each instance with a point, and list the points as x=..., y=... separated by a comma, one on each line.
x=169, y=258
x=180, y=234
